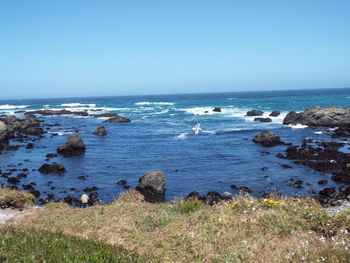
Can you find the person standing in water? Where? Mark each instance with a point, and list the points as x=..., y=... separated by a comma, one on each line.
x=197, y=128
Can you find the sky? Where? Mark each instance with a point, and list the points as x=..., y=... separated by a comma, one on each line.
x=70, y=48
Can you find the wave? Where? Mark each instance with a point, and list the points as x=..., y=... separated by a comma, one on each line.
x=77, y=104
x=154, y=103
x=200, y=111
x=298, y=126
x=9, y=107
x=182, y=136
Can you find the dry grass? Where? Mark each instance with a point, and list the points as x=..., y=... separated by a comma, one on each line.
x=15, y=199
x=245, y=230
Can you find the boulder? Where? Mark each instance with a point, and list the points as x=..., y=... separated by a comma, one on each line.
x=151, y=186
x=275, y=113
x=263, y=119
x=320, y=117
x=217, y=109
x=73, y=147
x=255, y=113
x=34, y=131
x=52, y=168
x=101, y=130
x=117, y=119
x=267, y=139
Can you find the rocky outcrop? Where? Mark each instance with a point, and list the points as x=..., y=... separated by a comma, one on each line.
x=57, y=112
x=255, y=113
x=49, y=168
x=217, y=109
x=267, y=139
x=117, y=119
x=275, y=113
x=101, y=130
x=151, y=186
x=320, y=117
x=73, y=147
x=263, y=119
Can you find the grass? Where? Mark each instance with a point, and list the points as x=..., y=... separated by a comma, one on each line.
x=15, y=199
x=243, y=230
x=18, y=245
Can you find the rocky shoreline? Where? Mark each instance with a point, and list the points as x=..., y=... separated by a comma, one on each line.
x=321, y=156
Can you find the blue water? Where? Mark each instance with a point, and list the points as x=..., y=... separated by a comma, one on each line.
x=160, y=137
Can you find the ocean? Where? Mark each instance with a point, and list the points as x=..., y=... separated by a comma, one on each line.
x=160, y=137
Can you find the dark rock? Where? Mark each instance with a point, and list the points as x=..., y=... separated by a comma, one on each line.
x=320, y=117
x=151, y=186
x=195, y=195
x=328, y=191
x=118, y=119
x=255, y=113
x=21, y=176
x=286, y=166
x=322, y=182
x=57, y=112
x=91, y=189
x=217, y=109
x=93, y=195
x=263, y=119
x=29, y=146
x=101, y=130
x=13, y=180
x=52, y=168
x=244, y=189
x=81, y=177
x=298, y=184
x=36, y=193
x=28, y=187
x=264, y=168
x=72, y=201
x=121, y=182
x=73, y=147
x=51, y=155
x=233, y=186
x=34, y=131
x=267, y=139
x=275, y=113
x=106, y=115
x=127, y=187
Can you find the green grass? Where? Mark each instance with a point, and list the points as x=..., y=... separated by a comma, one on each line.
x=31, y=245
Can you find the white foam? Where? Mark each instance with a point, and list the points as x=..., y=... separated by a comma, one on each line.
x=154, y=103
x=182, y=136
x=8, y=107
x=231, y=98
x=298, y=126
x=318, y=132
x=160, y=112
x=77, y=104
x=199, y=111
x=60, y=133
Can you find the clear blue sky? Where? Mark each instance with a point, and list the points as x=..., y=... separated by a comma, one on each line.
x=87, y=48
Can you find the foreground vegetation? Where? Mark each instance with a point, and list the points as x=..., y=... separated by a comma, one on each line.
x=244, y=230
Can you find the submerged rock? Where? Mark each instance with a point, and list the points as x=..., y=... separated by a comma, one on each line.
x=217, y=109
x=118, y=119
x=52, y=168
x=263, y=119
x=73, y=147
x=255, y=113
x=275, y=113
x=267, y=139
x=320, y=117
x=151, y=186
x=101, y=130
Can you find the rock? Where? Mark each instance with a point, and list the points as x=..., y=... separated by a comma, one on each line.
x=275, y=113
x=244, y=189
x=118, y=119
x=217, y=109
x=101, y=130
x=51, y=155
x=73, y=147
x=298, y=184
x=255, y=113
x=28, y=187
x=121, y=182
x=106, y=115
x=322, y=182
x=36, y=193
x=57, y=112
x=29, y=146
x=21, y=176
x=52, y=168
x=13, y=180
x=263, y=119
x=320, y=117
x=81, y=177
x=151, y=186
x=91, y=189
x=34, y=131
x=328, y=191
x=264, y=168
x=195, y=195
x=267, y=139
x=286, y=166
